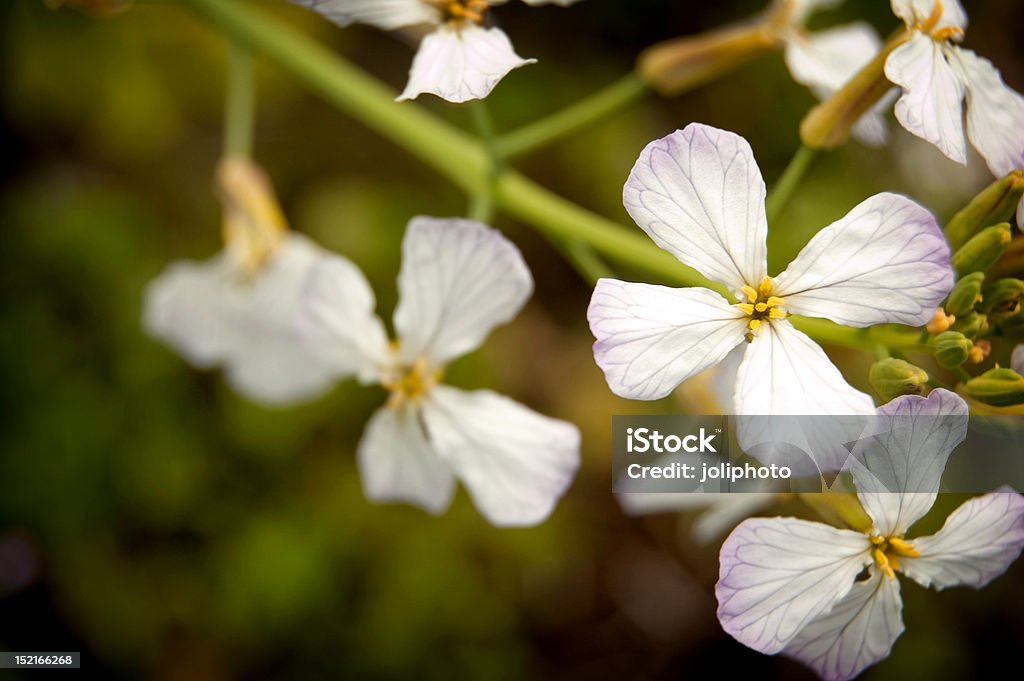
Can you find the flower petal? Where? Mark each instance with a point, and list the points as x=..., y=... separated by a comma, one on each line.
x=777, y=575
x=337, y=323
x=652, y=338
x=919, y=11
x=1017, y=359
x=211, y=314
x=825, y=60
x=977, y=544
x=459, y=280
x=397, y=463
x=698, y=194
x=786, y=373
x=885, y=261
x=514, y=462
x=931, y=104
x=460, y=63
x=995, y=113
x=857, y=633
x=385, y=14
x=898, y=465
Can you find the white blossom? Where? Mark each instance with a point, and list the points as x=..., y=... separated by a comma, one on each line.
x=829, y=597
x=459, y=279
x=235, y=310
x=460, y=60
x=939, y=78
x=699, y=195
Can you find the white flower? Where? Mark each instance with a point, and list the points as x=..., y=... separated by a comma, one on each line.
x=1017, y=359
x=459, y=61
x=459, y=279
x=937, y=75
x=829, y=597
x=699, y=195
x=235, y=310
x=825, y=60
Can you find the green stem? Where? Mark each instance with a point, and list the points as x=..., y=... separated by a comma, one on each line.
x=481, y=205
x=240, y=102
x=535, y=135
x=790, y=180
x=586, y=261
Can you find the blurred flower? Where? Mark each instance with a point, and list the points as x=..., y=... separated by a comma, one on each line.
x=459, y=61
x=699, y=195
x=1017, y=359
x=829, y=597
x=235, y=309
x=459, y=279
x=936, y=75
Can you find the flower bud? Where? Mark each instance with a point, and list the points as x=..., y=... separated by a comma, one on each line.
x=982, y=250
x=979, y=352
x=965, y=294
x=893, y=377
x=995, y=204
x=1003, y=299
x=829, y=124
x=971, y=325
x=951, y=349
x=998, y=387
x=680, y=64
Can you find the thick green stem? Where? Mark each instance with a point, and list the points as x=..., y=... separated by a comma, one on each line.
x=535, y=135
x=481, y=205
x=783, y=190
x=466, y=163
x=240, y=102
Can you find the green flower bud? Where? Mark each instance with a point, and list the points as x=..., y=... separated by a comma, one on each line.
x=998, y=387
x=982, y=250
x=996, y=203
x=1002, y=300
x=965, y=294
x=971, y=324
x=951, y=349
x=893, y=377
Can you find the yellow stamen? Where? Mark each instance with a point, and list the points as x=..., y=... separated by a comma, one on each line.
x=761, y=305
x=883, y=563
x=750, y=292
x=765, y=288
x=463, y=10
x=940, y=322
x=754, y=324
x=928, y=24
x=903, y=547
x=411, y=384
x=948, y=33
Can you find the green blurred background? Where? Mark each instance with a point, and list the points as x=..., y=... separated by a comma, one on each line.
x=168, y=529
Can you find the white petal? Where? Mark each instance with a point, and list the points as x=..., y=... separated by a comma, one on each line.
x=183, y=308
x=459, y=280
x=723, y=383
x=698, y=194
x=397, y=463
x=777, y=575
x=977, y=544
x=899, y=464
x=872, y=128
x=931, y=104
x=826, y=59
x=460, y=63
x=337, y=323
x=385, y=14
x=514, y=462
x=652, y=338
x=1017, y=359
x=919, y=11
x=885, y=261
x=995, y=113
x=857, y=633
x=214, y=316
x=786, y=373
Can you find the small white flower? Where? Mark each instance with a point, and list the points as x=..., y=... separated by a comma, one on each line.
x=699, y=195
x=825, y=60
x=937, y=75
x=235, y=309
x=459, y=61
x=829, y=597
x=459, y=279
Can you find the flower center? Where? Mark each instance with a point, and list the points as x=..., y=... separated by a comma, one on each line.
x=887, y=552
x=761, y=305
x=942, y=34
x=411, y=383
x=462, y=10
